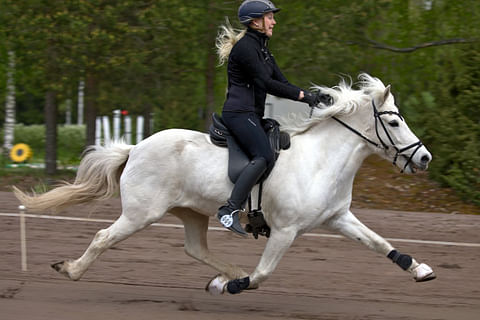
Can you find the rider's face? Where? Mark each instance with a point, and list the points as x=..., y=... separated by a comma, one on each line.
x=267, y=22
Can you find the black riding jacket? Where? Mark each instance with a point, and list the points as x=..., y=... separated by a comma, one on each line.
x=252, y=73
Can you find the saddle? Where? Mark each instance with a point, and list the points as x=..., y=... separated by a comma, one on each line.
x=238, y=160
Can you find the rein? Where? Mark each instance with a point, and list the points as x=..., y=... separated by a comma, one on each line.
x=382, y=144
x=358, y=133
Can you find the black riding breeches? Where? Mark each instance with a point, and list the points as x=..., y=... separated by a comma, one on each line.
x=247, y=129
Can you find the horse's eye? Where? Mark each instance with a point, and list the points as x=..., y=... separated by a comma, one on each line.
x=393, y=123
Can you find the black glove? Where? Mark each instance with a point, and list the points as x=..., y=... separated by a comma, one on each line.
x=325, y=98
x=311, y=98
x=314, y=98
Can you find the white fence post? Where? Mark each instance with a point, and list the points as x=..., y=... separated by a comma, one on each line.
x=23, y=237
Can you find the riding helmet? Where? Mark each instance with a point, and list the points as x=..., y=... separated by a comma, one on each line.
x=251, y=9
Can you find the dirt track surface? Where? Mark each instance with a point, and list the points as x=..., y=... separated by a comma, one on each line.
x=148, y=276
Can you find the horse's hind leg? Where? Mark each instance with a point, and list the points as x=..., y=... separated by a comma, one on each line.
x=351, y=227
x=121, y=229
x=196, y=227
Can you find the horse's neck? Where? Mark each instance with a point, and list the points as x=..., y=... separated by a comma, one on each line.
x=331, y=148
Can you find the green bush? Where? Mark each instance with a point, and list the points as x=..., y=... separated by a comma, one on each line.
x=456, y=152
x=447, y=120
x=70, y=141
x=453, y=137
x=33, y=136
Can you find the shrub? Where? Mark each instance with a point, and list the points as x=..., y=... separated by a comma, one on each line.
x=456, y=152
x=70, y=141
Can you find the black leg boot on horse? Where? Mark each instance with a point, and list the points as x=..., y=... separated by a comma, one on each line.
x=229, y=214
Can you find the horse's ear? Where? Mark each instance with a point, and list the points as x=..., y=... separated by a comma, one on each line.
x=382, y=98
x=386, y=93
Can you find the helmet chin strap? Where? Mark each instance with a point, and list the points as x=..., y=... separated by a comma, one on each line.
x=255, y=26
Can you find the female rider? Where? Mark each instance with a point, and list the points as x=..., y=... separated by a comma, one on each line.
x=252, y=73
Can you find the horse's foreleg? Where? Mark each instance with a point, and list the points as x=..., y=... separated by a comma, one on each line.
x=351, y=227
x=277, y=245
x=196, y=246
x=104, y=239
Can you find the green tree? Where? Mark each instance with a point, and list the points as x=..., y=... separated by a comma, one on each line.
x=159, y=57
x=35, y=41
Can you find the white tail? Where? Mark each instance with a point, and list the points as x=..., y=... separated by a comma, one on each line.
x=97, y=178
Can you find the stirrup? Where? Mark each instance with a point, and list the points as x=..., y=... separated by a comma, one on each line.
x=229, y=221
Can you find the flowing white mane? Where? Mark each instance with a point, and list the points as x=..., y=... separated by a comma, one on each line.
x=346, y=101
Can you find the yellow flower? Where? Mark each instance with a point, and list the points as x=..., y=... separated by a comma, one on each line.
x=20, y=152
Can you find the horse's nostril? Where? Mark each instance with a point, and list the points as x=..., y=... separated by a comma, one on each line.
x=425, y=159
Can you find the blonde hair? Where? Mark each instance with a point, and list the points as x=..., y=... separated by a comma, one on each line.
x=226, y=39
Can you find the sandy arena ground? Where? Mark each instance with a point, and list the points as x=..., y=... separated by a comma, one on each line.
x=148, y=276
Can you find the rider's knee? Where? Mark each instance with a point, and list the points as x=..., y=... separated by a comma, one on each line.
x=260, y=162
x=268, y=157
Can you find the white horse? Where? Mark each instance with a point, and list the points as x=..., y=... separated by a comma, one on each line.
x=181, y=172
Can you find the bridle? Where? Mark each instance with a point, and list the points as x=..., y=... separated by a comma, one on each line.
x=382, y=145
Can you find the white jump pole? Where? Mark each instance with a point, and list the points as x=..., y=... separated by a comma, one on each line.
x=23, y=238
x=106, y=129
x=128, y=129
x=140, y=121
x=116, y=124
x=98, y=131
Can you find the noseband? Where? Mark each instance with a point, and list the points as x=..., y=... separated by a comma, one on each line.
x=382, y=145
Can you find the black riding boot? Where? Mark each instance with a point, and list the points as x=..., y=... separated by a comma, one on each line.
x=229, y=213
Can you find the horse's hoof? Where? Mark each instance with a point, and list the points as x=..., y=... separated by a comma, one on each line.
x=58, y=266
x=62, y=267
x=217, y=285
x=423, y=273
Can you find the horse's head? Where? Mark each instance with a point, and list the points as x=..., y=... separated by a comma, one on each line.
x=370, y=113
x=394, y=139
